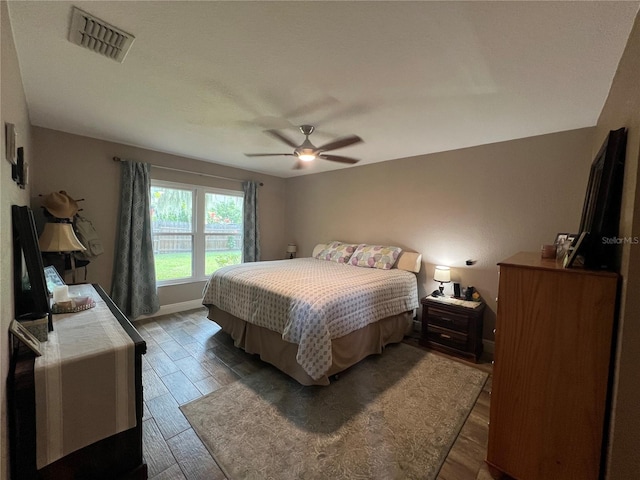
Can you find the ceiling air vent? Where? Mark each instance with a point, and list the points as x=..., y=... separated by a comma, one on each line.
x=96, y=35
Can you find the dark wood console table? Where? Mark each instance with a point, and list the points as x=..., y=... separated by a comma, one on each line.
x=116, y=457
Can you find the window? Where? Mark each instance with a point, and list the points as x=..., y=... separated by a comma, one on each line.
x=195, y=230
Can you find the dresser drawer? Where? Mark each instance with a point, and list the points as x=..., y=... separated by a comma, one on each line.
x=448, y=320
x=447, y=337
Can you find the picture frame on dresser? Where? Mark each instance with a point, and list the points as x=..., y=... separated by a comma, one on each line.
x=53, y=278
x=25, y=336
x=561, y=237
x=573, y=258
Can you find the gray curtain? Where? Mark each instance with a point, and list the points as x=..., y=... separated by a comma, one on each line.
x=134, y=276
x=250, y=239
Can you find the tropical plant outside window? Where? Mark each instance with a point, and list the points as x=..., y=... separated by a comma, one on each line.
x=195, y=230
x=223, y=231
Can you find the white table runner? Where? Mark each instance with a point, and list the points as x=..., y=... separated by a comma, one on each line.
x=84, y=381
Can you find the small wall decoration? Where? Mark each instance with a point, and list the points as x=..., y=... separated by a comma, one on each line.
x=10, y=142
x=21, y=169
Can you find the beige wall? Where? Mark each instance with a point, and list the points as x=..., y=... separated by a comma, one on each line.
x=622, y=109
x=84, y=168
x=13, y=110
x=483, y=203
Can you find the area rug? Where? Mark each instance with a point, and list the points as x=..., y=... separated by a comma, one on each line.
x=392, y=416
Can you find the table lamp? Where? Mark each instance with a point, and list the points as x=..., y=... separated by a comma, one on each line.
x=60, y=237
x=442, y=275
x=291, y=250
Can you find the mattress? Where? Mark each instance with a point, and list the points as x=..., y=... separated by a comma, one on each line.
x=309, y=301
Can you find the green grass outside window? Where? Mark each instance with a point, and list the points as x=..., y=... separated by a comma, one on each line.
x=173, y=266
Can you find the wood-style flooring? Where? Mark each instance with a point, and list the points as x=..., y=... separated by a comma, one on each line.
x=188, y=356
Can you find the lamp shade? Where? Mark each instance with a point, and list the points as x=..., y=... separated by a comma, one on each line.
x=291, y=248
x=442, y=274
x=59, y=237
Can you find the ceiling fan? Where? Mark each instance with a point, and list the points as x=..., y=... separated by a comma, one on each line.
x=307, y=151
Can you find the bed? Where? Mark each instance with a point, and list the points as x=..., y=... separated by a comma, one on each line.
x=315, y=317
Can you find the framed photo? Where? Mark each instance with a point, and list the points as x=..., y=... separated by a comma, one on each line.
x=561, y=237
x=53, y=278
x=10, y=142
x=25, y=336
x=572, y=256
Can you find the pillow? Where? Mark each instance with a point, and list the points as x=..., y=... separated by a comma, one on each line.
x=375, y=256
x=337, y=252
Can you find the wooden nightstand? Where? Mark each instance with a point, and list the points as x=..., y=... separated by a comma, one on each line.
x=452, y=328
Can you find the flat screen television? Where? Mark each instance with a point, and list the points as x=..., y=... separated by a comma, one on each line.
x=31, y=297
x=600, y=249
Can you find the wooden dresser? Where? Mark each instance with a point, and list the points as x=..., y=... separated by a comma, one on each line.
x=118, y=456
x=553, y=347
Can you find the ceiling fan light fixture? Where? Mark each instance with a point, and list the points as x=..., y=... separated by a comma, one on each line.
x=307, y=156
x=307, y=151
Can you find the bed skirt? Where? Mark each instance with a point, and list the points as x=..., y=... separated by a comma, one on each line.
x=346, y=351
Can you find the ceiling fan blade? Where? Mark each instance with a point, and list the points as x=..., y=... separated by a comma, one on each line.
x=340, y=143
x=282, y=138
x=268, y=154
x=338, y=158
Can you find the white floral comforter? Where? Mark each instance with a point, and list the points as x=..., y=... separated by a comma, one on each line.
x=311, y=301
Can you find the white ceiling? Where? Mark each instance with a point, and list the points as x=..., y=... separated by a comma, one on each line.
x=204, y=79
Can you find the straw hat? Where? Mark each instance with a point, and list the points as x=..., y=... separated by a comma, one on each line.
x=60, y=205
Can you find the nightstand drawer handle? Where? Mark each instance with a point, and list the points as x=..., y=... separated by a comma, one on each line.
x=446, y=319
x=444, y=335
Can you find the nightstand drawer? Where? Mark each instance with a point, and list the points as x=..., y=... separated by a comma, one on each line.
x=451, y=328
x=448, y=320
x=447, y=337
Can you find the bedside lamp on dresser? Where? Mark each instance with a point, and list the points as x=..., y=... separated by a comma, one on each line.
x=442, y=275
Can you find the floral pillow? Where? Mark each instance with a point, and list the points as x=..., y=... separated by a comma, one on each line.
x=337, y=252
x=375, y=256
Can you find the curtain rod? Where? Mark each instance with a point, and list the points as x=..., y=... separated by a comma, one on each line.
x=118, y=159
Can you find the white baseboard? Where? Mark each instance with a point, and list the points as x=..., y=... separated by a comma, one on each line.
x=174, y=308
